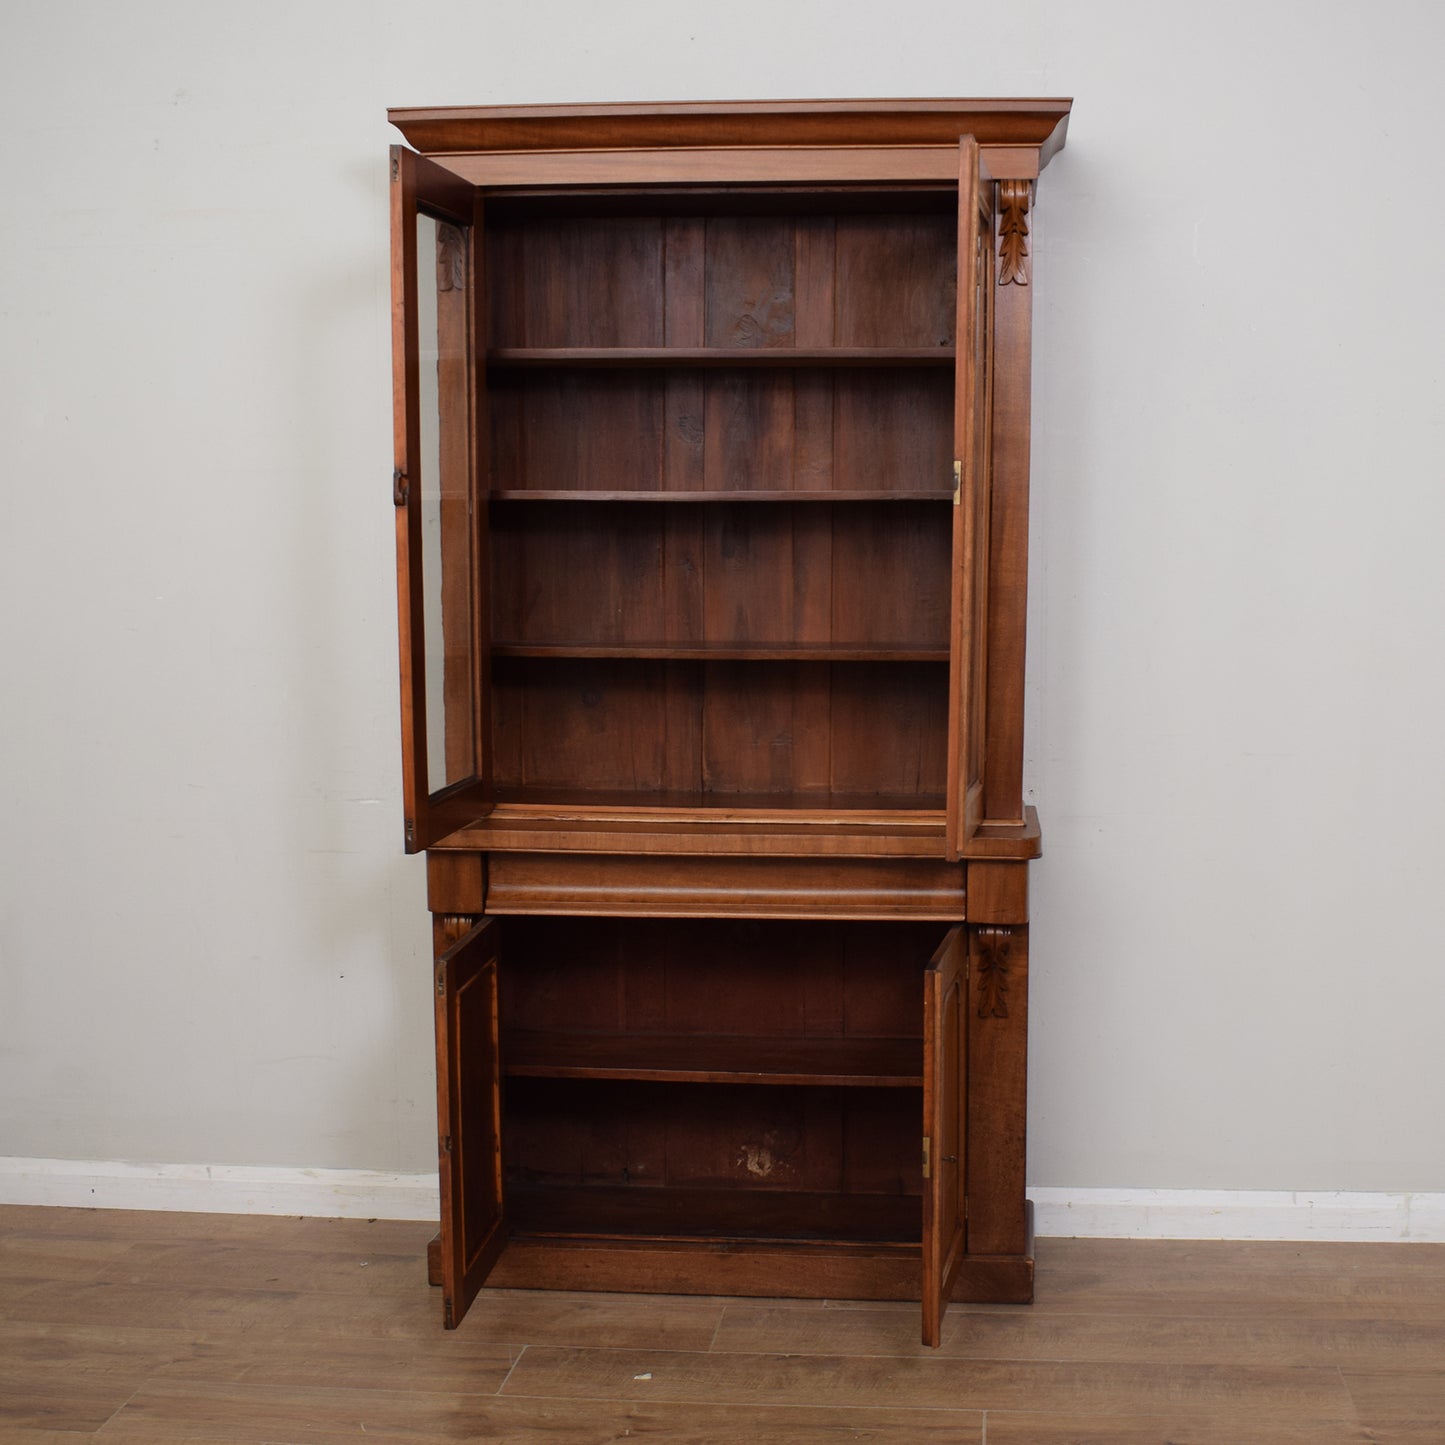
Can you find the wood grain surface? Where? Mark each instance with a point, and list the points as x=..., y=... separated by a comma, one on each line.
x=212, y=1328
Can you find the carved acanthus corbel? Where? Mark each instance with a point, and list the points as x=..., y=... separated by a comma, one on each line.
x=1014, y=199
x=451, y=258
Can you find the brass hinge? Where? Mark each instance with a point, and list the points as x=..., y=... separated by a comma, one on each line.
x=446, y=1143
x=401, y=487
x=441, y=980
x=957, y=483
x=927, y=1157
x=395, y=165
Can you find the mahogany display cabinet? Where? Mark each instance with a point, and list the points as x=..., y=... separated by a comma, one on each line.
x=711, y=490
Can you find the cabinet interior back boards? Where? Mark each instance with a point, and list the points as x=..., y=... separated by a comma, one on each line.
x=711, y=490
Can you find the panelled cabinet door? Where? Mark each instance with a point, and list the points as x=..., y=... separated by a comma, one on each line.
x=968, y=662
x=469, y=1117
x=440, y=520
x=945, y=1043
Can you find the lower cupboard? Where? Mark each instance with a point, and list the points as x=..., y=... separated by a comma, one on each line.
x=704, y=1104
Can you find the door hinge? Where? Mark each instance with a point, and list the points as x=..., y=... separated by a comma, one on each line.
x=927, y=1157
x=395, y=165
x=957, y=483
x=401, y=487
x=441, y=975
x=445, y=1143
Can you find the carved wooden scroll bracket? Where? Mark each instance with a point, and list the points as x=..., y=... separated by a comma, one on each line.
x=451, y=928
x=991, y=959
x=1014, y=200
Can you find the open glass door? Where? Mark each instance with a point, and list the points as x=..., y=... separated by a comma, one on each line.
x=945, y=1059
x=972, y=408
x=440, y=540
x=469, y=1117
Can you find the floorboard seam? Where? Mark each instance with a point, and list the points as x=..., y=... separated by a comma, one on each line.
x=510, y=1368
x=114, y=1414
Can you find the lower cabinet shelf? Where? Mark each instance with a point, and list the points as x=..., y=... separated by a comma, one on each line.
x=714, y=1215
x=719, y=1059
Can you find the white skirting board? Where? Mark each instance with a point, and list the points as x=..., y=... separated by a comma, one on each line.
x=369, y=1194
x=1237, y=1214
x=219, y=1188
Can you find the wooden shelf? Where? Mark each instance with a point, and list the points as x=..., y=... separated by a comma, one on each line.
x=716, y=1059
x=727, y=651
x=623, y=1211
x=519, y=358
x=563, y=494
x=693, y=805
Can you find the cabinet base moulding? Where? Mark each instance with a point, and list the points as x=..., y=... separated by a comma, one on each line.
x=785, y=1271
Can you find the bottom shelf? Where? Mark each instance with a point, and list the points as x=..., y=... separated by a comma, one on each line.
x=713, y=1215
x=603, y=1158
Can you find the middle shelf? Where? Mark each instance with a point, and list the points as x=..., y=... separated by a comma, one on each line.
x=730, y=651
x=523, y=357
x=715, y=1059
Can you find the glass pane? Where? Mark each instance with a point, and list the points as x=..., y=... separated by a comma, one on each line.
x=442, y=291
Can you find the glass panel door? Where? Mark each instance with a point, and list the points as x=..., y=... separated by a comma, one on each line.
x=435, y=290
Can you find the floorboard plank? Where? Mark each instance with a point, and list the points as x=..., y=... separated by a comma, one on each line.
x=255, y=1414
x=522, y=1421
x=1253, y=1393
x=1404, y=1407
x=1070, y=1429
x=1359, y=1344
x=443, y=1363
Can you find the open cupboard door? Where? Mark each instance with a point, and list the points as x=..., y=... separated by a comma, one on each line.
x=972, y=407
x=469, y=1117
x=945, y=1057
x=440, y=527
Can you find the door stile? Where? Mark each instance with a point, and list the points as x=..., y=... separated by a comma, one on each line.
x=969, y=618
x=473, y=1216
x=945, y=1067
x=479, y=515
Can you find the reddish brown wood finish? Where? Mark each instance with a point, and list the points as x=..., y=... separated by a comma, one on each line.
x=474, y=1226
x=997, y=1088
x=742, y=694
x=1037, y=126
x=945, y=1063
x=720, y=886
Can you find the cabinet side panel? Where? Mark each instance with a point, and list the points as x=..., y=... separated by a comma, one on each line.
x=1008, y=552
x=997, y=1089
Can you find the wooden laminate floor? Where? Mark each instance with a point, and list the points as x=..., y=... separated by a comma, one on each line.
x=181, y=1327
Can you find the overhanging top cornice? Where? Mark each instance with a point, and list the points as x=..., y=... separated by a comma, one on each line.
x=1032, y=124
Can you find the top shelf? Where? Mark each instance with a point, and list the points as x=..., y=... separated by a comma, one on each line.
x=521, y=358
